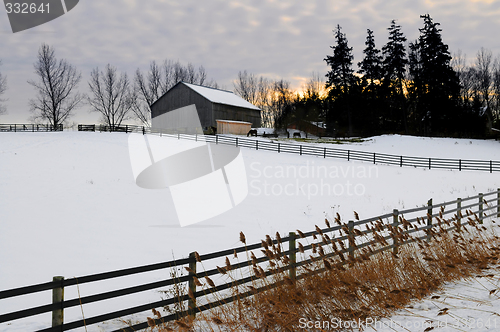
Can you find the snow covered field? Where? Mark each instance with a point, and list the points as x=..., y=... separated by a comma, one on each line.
x=69, y=206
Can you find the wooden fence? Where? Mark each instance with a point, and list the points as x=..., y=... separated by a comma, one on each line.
x=483, y=206
x=311, y=150
x=30, y=127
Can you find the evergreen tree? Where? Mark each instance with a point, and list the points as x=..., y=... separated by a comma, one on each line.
x=371, y=95
x=394, y=67
x=436, y=88
x=340, y=78
x=371, y=66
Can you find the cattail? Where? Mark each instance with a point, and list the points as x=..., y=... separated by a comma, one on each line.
x=235, y=254
x=197, y=282
x=254, y=259
x=356, y=216
x=269, y=241
x=301, y=248
x=301, y=234
x=197, y=256
x=209, y=281
x=328, y=266
x=242, y=238
x=327, y=223
x=221, y=270
x=191, y=294
x=228, y=264
x=217, y=320
x=151, y=322
x=189, y=270
x=156, y=313
x=278, y=237
x=318, y=230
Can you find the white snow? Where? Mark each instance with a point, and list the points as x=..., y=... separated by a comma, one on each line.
x=69, y=206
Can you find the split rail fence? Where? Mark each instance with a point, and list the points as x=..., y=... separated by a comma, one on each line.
x=30, y=127
x=311, y=150
x=280, y=147
x=483, y=206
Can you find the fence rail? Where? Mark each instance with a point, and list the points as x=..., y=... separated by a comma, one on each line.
x=318, y=151
x=483, y=205
x=30, y=127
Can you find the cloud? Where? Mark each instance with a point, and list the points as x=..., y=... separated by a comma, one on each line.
x=279, y=38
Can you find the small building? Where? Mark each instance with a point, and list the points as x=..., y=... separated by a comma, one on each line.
x=233, y=127
x=211, y=104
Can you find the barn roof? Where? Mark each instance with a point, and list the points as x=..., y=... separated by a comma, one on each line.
x=220, y=96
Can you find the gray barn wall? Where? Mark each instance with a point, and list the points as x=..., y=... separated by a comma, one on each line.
x=180, y=96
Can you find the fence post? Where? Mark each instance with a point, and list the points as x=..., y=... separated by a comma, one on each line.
x=491, y=166
x=459, y=211
x=350, y=238
x=460, y=164
x=498, y=202
x=256, y=144
x=301, y=150
x=374, y=156
x=236, y=141
x=278, y=147
x=143, y=131
x=216, y=139
x=429, y=219
x=481, y=208
x=58, y=297
x=400, y=161
x=192, y=285
x=395, y=215
x=429, y=163
x=292, y=256
x=348, y=155
x=324, y=153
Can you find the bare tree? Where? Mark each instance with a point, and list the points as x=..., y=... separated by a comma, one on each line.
x=484, y=77
x=56, y=96
x=467, y=76
x=264, y=102
x=315, y=86
x=158, y=80
x=246, y=86
x=111, y=95
x=496, y=89
x=3, y=87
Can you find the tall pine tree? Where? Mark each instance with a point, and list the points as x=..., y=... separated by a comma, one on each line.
x=371, y=65
x=435, y=85
x=340, y=80
x=394, y=67
x=370, y=69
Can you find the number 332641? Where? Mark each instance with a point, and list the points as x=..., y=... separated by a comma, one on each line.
x=26, y=8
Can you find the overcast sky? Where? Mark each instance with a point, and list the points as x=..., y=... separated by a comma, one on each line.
x=275, y=38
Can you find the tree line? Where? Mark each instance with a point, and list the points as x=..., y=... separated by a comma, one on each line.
x=415, y=88
x=113, y=95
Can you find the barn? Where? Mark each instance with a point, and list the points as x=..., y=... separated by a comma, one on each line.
x=212, y=105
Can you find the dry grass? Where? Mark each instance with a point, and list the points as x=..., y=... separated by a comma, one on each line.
x=340, y=287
